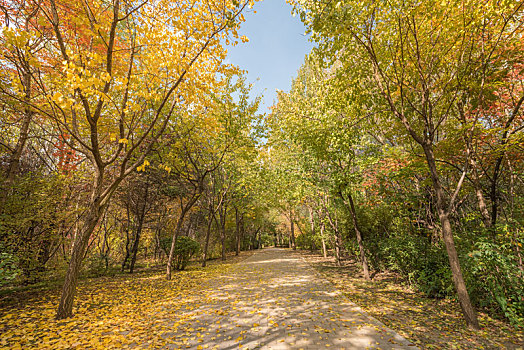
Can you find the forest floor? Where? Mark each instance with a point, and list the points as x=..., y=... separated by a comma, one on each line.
x=268, y=299
x=110, y=312
x=429, y=323
x=272, y=299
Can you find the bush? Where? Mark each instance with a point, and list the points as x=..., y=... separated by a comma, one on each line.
x=96, y=265
x=424, y=265
x=307, y=241
x=185, y=249
x=489, y=263
x=8, y=267
x=493, y=272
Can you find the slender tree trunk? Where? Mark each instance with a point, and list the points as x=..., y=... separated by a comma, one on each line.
x=223, y=240
x=222, y=213
x=292, y=232
x=322, y=234
x=126, y=256
x=324, y=250
x=458, y=280
x=237, y=219
x=128, y=240
x=482, y=206
x=480, y=196
x=178, y=229
x=208, y=235
x=337, y=248
x=134, y=249
x=363, y=260
x=312, y=227
x=107, y=249
x=65, y=308
x=140, y=217
x=14, y=160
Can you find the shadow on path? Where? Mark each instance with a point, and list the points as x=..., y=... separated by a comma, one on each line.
x=275, y=300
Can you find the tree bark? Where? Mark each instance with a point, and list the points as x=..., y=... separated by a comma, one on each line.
x=223, y=240
x=337, y=242
x=363, y=260
x=208, y=235
x=292, y=232
x=14, y=159
x=322, y=237
x=134, y=249
x=178, y=228
x=65, y=308
x=458, y=280
x=312, y=227
x=238, y=220
x=483, y=208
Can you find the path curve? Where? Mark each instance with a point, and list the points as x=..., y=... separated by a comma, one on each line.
x=275, y=300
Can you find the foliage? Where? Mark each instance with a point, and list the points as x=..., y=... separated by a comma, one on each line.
x=33, y=220
x=496, y=278
x=425, y=265
x=8, y=267
x=185, y=249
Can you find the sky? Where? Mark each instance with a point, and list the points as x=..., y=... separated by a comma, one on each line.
x=275, y=51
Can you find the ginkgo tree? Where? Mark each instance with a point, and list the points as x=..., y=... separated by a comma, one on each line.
x=323, y=124
x=426, y=61
x=116, y=74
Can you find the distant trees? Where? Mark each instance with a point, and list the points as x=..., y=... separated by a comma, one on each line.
x=405, y=106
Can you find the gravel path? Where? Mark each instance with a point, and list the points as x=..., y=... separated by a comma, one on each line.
x=275, y=300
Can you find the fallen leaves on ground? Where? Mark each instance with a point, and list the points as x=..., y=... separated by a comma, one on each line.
x=109, y=313
x=429, y=323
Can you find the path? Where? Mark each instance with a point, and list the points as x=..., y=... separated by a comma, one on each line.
x=275, y=300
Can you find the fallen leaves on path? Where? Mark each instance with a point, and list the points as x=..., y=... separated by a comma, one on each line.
x=429, y=323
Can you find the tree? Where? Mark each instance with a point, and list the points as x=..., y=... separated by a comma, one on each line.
x=421, y=57
x=110, y=95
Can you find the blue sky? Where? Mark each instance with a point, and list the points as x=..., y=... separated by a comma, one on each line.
x=275, y=51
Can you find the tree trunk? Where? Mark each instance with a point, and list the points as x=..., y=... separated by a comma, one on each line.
x=480, y=196
x=482, y=206
x=322, y=237
x=292, y=232
x=363, y=260
x=178, y=229
x=126, y=257
x=65, y=308
x=134, y=249
x=238, y=219
x=337, y=247
x=128, y=240
x=208, y=235
x=14, y=159
x=223, y=239
x=447, y=233
x=312, y=226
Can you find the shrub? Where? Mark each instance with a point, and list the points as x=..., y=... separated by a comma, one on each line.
x=8, y=267
x=424, y=265
x=185, y=249
x=96, y=265
x=493, y=273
